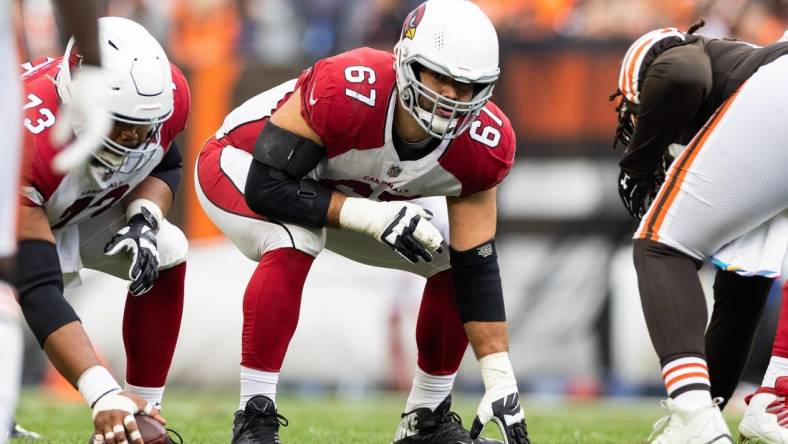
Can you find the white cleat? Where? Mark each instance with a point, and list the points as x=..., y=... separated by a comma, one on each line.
x=704, y=425
x=766, y=417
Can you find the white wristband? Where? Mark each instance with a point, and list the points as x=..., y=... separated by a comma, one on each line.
x=135, y=207
x=355, y=212
x=96, y=382
x=497, y=371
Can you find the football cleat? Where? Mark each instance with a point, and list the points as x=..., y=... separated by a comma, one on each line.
x=766, y=417
x=19, y=432
x=258, y=422
x=439, y=426
x=703, y=425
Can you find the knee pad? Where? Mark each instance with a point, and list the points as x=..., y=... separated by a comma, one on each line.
x=173, y=246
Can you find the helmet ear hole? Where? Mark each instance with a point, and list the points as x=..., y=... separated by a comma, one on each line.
x=417, y=69
x=479, y=87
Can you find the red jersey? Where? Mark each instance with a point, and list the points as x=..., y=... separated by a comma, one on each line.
x=349, y=101
x=78, y=195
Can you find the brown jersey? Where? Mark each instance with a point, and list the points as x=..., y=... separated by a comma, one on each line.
x=681, y=87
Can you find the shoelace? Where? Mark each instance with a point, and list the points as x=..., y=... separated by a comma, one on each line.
x=281, y=420
x=454, y=428
x=779, y=408
x=662, y=425
x=180, y=438
x=453, y=417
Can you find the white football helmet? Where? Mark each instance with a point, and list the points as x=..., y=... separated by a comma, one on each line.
x=140, y=89
x=454, y=38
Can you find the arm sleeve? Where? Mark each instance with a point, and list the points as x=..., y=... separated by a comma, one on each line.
x=170, y=169
x=271, y=193
x=40, y=284
x=477, y=283
x=675, y=86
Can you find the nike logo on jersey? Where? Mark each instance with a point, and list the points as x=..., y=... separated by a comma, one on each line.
x=312, y=100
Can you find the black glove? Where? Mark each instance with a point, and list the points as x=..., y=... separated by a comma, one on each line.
x=637, y=193
x=401, y=236
x=138, y=238
x=508, y=415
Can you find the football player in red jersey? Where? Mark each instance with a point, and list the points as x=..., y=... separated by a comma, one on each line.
x=391, y=160
x=107, y=215
x=82, y=21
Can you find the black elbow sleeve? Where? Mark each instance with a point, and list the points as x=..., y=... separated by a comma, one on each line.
x=477, y=284
x=40, y=285
x=170, y=169
x=274, y=194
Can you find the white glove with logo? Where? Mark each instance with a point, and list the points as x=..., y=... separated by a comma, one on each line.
x=86, y=109
x=403, y=226
x=501, y=401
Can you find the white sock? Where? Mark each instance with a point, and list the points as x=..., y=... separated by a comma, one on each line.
x=694, y=399
x=428, y=390
x=153, y=395
x=257, y=382
x=689, y=377
x=777, y=367
x=11, y=352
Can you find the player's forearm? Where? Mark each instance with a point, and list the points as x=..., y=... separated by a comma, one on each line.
x=487, y=338
x=34, y=224
x=70, y=351
x=334, y=208
x=80, y=18
x=154, y=190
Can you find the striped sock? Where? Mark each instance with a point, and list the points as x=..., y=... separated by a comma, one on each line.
x=687, y=381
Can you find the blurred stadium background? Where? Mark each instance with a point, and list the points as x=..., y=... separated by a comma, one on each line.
x=573, y=308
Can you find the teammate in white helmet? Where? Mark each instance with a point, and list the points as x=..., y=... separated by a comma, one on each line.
x=391, y=160
x=107, y=215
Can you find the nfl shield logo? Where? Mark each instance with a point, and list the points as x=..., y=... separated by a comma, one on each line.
x=394, y=171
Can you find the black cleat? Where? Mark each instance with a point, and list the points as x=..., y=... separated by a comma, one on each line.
x=258, y=422
x=439, y=426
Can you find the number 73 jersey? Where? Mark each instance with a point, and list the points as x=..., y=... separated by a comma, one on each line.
x=349, y=101
x=78, y=195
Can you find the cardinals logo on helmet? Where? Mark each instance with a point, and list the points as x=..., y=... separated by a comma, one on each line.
x=412, y=21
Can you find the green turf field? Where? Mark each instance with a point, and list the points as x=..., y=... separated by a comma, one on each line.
x=207, y=418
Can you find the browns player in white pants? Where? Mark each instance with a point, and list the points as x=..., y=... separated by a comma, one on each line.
x=728, y=181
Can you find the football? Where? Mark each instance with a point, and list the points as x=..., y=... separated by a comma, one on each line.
x=152, y=432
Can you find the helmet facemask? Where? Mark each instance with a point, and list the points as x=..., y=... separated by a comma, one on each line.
x=140, y=91
x=119, y=158
x=627, y=117
x=424, y=103
x=454, y=39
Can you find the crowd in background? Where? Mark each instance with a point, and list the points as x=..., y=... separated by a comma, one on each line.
x=283, y=32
